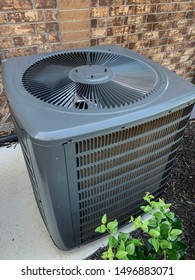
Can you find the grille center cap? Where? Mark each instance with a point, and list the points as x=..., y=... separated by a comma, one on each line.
x=91, y=74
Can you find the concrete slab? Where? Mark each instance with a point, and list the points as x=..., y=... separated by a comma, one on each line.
x=193, y=114
x=22, y=232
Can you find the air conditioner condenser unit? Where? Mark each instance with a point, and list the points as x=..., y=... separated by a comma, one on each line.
x=98, y=128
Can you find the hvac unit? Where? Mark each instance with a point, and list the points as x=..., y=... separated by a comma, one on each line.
x=98, y=128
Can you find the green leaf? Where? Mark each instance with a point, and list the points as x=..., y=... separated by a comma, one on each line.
x=145, y=226
x=136, y=242
x=101, y=229
x=176, y=232
x=112, y=225
x=154, y=204
x=159, y=215
x=148, y=210
x=152, y=223
x=164, y=244
x=105, y=255
x=143, y=208
x=110, y=254
x=161, y=202
x=170, y=215
x=172, y=237
x=150, y=257
x=121, y=254
x=137, y=222
x=155, y=243
x=179, y=246
x=172, y=255
x=121, y=246
x=154, y=233
x=131, y=219
x=123, y=236
x=167, y=206
x=148, y=197
x=112, y=241
x=139, y=254
x=104, y=219
x=130, y=249
x=164, y=229
x=177, y=224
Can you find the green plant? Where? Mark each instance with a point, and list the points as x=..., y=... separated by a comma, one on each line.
x=162, y=235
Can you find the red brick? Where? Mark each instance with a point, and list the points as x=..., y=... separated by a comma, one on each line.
x=94, y=3
x=110, y=21
x=94, y=23
x=2, y=18
x=141, y=45
x=28, y=16
x=160, y=25
x=45, y=4
x=73, y=4
x=144, y=9
x=98, y=32
x=17, y=29
x=158, y=42
x=130, y=2
x=72, y=45
x=151, y=35
x=47, y=27
x=75, y=36
x=186, y=6
x=116, y=31
x=190, y=14
x=157, y=17
x=166, y=8
x=49, y=47
x=29, y=40
x=121, y=10
x=75, y=25
x=20, y=52
x=176, y=16
x=15, y=5
x=138, y=19
x=53, y=37
x=160, y=1
x=106, y=2
x=141, y=28
x=108, y=41
x=74, y=15
x=99, y=12
x=6, y=43
x=51, y=15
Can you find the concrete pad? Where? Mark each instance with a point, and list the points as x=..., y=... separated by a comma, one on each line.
x=22, y=232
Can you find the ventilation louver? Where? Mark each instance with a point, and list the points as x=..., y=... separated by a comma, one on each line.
x=98, y=128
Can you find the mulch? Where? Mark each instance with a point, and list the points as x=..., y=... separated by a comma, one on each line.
x=180, y=191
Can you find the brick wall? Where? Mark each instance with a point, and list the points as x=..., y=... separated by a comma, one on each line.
x=162, y=30
x=29, y=27
x=75, y=23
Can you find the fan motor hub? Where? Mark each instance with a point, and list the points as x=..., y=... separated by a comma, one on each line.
x=91, y=74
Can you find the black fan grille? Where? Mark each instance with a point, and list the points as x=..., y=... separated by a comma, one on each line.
x=90, y=80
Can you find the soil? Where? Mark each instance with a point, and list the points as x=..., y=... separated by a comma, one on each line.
x=180, y=191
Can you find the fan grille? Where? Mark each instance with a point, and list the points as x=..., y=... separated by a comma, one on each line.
x=90, y=80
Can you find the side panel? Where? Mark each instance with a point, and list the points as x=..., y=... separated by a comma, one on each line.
x=47, y=171
x=110, y=173
x=50, y=169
